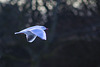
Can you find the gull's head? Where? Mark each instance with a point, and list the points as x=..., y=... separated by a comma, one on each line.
x=44, y=28
x=40, y=27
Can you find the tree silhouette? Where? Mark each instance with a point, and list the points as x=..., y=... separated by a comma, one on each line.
x=72, y=39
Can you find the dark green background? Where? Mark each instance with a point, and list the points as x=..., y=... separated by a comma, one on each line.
x=73, y=38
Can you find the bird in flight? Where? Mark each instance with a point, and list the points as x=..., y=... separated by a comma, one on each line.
x=34, y=31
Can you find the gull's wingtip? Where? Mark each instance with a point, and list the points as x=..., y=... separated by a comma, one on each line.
x=44, y=39
x=16, y=33
x=30, y=41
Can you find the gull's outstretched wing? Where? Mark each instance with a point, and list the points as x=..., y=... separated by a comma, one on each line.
x=30, y=36
x=40, y=33
x=17, y=32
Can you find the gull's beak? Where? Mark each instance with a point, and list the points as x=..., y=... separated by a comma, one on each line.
x=46, y=28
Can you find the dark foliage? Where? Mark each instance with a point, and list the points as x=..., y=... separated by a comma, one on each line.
x=72, y=39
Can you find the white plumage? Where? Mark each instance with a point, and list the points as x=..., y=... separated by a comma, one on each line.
x=34, y=31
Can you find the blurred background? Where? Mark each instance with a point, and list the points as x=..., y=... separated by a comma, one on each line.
x=73, y=35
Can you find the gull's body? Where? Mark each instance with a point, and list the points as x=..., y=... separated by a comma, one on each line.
x=34, y=31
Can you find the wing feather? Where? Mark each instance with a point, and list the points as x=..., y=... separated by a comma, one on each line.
x=30, y=36
x=40, y=33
